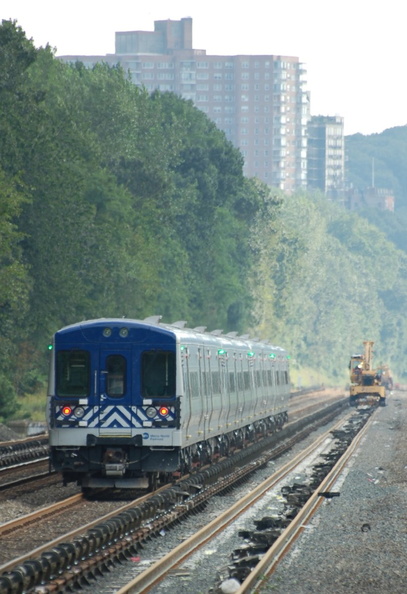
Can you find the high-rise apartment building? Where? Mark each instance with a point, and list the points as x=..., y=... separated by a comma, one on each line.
x=326, y=156
x=260, y=102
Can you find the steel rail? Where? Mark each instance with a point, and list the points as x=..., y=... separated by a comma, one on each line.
x=267, y=565
x=154, y=574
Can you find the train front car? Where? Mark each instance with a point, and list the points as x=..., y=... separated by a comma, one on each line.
x=113, y=388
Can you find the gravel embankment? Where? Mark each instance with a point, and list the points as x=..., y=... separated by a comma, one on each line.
x=357, y=542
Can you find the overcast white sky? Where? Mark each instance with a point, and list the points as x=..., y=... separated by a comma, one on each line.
x=354, y=51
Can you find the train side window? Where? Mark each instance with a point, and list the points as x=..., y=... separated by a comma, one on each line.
x=215, y=382
x=116, y=375
x=72, y=373
x=158, y=374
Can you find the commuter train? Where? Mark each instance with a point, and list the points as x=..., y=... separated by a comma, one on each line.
x=133, y=403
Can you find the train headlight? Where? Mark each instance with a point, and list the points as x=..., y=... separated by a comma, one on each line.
x=107, y=332
x=79, y=412
x=151, y=412
x=66, y=411
x=123, y=332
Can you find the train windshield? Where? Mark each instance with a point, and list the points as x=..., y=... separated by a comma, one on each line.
x=73, y=373
x=158, y=374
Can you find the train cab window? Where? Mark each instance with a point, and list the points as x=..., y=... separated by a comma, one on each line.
x=158, y=374
x=72, y=373
x=116, y=376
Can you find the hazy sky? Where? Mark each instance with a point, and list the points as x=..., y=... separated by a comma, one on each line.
x=354, y=50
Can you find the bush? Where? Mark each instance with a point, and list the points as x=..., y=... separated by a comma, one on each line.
x=8, y=399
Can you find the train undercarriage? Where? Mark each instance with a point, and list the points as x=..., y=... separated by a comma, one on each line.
x=129, y=465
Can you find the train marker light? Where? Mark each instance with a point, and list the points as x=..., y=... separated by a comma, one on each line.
x=50, y=347
x=250, y=354
x=66, y=410
x=164, y=411
x=222, y=352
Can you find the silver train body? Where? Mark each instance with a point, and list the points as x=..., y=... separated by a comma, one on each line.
x=131, y=402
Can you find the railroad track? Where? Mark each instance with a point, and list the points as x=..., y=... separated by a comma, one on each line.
x=17, y=452
x=212, y=535
x=26, y=472
x=126, y=531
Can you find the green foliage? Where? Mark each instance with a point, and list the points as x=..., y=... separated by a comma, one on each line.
x=382, y=157
x=116, y=203
x=329, y=281
x=8, y=399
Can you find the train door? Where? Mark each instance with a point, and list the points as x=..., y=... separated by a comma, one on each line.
x=203, y=394
x=115, y=391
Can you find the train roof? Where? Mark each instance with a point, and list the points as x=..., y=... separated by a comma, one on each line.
x=181, y=332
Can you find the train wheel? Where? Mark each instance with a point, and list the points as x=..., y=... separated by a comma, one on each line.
x=224, y=446
x=152, y=482
x=186, y=461
x=382, y=401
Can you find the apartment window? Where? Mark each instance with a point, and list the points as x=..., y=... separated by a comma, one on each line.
x=217, y=76
x=202, y=65
x=202, y=75
x=229, y=76
x=245, y=76
x=217, y=87
x=201, y=87
x=147, y=64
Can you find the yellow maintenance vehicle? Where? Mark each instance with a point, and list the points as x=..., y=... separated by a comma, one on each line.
x=365, y=381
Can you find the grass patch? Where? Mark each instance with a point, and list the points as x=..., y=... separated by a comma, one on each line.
x=32, y=407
